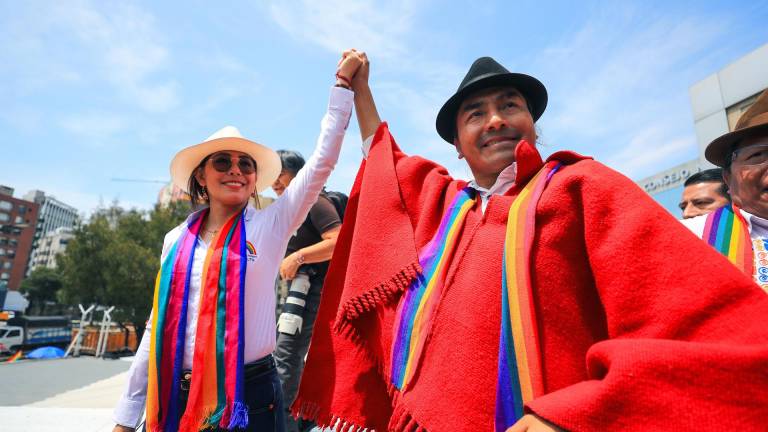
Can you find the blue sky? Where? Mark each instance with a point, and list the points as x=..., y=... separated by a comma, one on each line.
x=98, y=90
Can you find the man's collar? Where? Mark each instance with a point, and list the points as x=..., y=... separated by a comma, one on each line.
x=527, y=164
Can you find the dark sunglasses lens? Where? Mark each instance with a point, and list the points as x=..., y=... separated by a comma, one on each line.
x=222, y=163
x=246, y=165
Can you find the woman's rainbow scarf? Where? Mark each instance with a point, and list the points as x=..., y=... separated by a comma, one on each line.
x=216, y=391
x=726, y=230
x=519, y=372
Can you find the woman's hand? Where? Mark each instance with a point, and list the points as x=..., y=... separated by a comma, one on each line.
x=350, y=62
x=533, y=423
x=289, y=267
x=121, y=428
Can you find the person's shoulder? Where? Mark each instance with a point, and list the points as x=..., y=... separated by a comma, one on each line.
x=591, y=173
x=173, y=235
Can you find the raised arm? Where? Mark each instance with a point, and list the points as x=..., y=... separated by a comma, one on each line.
x=292, y=207
x=365, y=108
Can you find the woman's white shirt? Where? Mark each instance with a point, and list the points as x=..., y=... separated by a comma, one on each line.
x=268, y=231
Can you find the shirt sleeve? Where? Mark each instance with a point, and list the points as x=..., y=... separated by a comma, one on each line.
x=292, y=207
x=130, y=407
x=367, y=146
x=324, y=215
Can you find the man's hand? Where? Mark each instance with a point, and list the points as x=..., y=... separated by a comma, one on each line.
x=533, y=423
x=121, y=428
x=289, y=267
x=360, y=79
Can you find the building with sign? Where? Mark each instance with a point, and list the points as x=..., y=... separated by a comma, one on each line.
x=717, y=103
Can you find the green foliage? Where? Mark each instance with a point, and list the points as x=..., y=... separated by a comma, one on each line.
x=113, y=259
x=41, y=286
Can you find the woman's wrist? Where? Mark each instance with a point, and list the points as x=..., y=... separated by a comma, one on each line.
x=342, y=81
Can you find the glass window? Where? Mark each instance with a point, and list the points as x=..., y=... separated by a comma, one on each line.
x=6, y=205
x=19, y=220
x=5, y=276
x=22, y=209
x=3, y=332
x=2, y=251
x=4, y=217
x=14, y=333
x=3, y=241
x=7, y=265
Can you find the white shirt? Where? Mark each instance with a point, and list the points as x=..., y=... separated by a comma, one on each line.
x=504, y=181
x=758, y=227
x=269, y=231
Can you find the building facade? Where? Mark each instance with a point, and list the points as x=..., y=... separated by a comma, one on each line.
x=49, y=247
x=53, y=214
x=18, y=226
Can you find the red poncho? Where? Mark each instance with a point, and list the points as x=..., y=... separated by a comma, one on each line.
x=642, y=325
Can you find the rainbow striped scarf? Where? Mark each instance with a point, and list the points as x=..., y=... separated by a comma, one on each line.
x=519, y=375
x=726, y=230
x=519, y=372
x=216, y=392
x=415, y=311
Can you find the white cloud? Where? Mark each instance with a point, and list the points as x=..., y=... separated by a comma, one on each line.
x=649, y=150
x=619, y=86
x=93, y=125
x=338, y=24
x=91, y=43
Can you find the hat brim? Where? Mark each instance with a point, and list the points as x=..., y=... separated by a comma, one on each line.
x=532, y=89
x=268, y=165
x=720, y=148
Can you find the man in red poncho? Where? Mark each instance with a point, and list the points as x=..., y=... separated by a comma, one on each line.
x=540, y=296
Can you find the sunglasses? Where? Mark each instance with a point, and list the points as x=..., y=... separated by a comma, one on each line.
x=223, y=163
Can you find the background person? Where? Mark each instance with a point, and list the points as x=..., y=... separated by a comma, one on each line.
x=304, y=267
x=704, y=192
x=740, y=231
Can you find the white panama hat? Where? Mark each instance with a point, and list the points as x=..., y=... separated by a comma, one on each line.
x=268, y=165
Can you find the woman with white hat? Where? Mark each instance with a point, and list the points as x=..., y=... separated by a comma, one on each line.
x=205, y=360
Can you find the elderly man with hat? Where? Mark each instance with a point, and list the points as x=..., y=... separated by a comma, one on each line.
x=740, y=230
x=541, y=295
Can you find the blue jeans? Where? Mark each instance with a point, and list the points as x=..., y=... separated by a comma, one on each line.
x=263, y=395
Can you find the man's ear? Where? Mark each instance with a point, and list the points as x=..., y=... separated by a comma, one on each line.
x=727, y=178
x=458, y=149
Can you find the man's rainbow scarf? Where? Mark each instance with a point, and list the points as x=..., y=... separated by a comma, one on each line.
x=216, y=391
x=414, y=315
x=726, y=230
x=520, y=376
x=519, y=373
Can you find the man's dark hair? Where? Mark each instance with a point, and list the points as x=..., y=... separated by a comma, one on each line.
x=714, y=175
x=292, y=161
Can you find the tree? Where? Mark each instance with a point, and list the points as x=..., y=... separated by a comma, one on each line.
x=41, y=287
x=113, y=260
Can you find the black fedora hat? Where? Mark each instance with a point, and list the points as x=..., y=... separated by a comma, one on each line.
x=752, y=122
x=486, y=72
